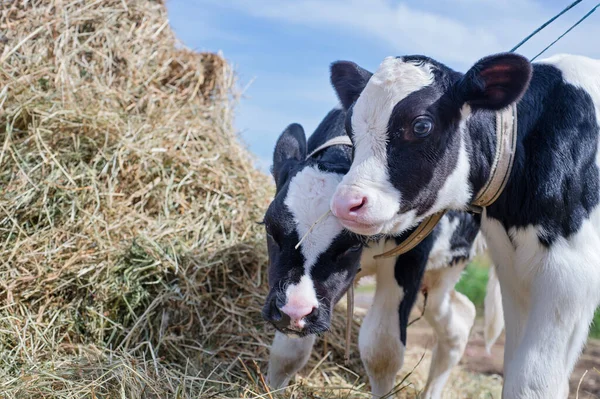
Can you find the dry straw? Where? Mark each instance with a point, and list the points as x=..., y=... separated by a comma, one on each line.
x=131, y=264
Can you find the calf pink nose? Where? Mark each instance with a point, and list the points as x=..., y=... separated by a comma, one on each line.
x=348, y=206
x=297, y=313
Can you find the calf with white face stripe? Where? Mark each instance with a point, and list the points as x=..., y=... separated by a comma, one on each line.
x=427, y=144
x=407, y=122
x=305, y=283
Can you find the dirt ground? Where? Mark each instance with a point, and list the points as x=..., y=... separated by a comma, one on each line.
x=476, y=359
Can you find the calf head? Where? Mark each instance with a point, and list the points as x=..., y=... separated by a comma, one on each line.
x=305, y=283
x=408, y=122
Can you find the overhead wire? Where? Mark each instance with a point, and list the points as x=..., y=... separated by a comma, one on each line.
x=548, y=22
x=567, y=31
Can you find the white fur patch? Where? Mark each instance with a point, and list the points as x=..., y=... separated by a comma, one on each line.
x=493, y=312
x=390, y=84
x=451, y=314
x=456, y=191
x=307, y=199
x=579, y=71
x=549, y=297
x=441, y=254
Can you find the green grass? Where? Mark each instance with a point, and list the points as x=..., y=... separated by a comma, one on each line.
x=365, y=288
x=595, y=329
x=474, y=281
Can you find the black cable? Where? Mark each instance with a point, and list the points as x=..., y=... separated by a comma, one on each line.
x=567, y=31
x=545, y=24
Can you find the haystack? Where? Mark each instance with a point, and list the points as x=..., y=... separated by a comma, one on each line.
x=131, y=263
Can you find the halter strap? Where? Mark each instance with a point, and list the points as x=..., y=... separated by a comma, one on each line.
x=338, y=140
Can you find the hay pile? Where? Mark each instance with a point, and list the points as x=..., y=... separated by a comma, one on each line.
x=130, y=261
x=127, y=239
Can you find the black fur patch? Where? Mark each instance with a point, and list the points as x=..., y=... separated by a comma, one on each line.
x=463, y=237
x=408, y=272
x=349, y=81
x=555, y=182
x=418, y=167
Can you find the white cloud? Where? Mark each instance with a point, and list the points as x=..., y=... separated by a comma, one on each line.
x=458, y=32
x=397, y=26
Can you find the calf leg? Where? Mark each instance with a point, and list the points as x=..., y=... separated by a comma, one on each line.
x=288, y=355
x=381, y=349
x=451, y=314
x=554, y=335
x=493, y=313
x=515, y=305
x=563, y=293
x=515, y=318
x=382, y=338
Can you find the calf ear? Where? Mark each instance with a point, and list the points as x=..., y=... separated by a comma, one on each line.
x=289, y=150
x=348, y=80
x=496, y=81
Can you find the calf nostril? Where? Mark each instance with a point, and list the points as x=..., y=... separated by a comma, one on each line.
x=279, y=302
x=275, y=313
x=314, y=312
x=355, y=208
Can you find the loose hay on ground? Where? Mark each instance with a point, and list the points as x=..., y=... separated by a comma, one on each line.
x=130, y=261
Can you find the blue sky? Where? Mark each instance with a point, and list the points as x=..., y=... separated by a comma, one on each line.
x=281, y=49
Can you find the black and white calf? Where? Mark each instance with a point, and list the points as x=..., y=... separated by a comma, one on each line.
x=425, y=140
x=307, y=282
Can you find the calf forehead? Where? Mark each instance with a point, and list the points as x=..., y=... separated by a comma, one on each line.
x=394, y=80
x=308, y=199
x=400, y=77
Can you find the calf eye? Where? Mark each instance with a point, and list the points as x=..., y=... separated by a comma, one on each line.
x=422, y=126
